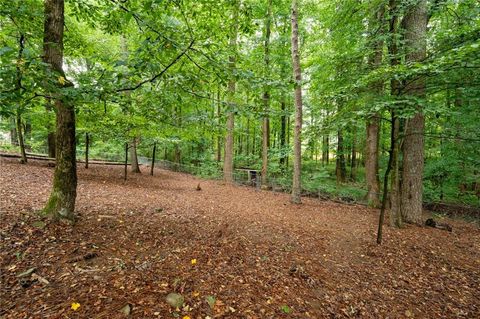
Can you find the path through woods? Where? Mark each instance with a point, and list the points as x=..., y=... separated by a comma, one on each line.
x=257, y=254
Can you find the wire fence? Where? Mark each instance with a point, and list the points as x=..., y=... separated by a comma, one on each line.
x=251, y=177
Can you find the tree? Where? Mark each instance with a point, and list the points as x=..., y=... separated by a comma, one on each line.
x=415, y=22
x=297, y=139
x=373, y=121
x=266, y=98
x=61, y=203
x=229, y=138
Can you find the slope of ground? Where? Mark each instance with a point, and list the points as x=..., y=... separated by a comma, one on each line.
x=231, y=252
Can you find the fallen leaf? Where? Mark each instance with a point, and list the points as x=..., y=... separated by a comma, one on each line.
x=75, y=306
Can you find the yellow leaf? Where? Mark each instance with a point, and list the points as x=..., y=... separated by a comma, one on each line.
x=61, y=80
x=195, y=294
x=193, y=261
x=75, y=306
x=186, y=317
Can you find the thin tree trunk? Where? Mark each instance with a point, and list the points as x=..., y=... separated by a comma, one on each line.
x=153, y=158
x=324, y=149
x=21, y=141
x=353, y=158
x=395, y=212
x=219, y=138
x=415, y=22
x=61, y=203
x=229, y=139
x=18, y=88
x=266, y=99
x=297, y=143
x=283, y=131
x=340, y=165
x=393, y=142
x=177, y=156
x=87, y=146
x=373, y=122
x=126, y=163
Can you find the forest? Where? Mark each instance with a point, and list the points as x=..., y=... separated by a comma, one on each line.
x=239, y=159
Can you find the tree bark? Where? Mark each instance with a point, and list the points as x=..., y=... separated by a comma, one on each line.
x=297, y=139
x=415, y=22
x=133, y=156
x=229, y=138
x=61, y=203
x=266, y=99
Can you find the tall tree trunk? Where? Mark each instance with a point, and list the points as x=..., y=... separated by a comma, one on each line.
x=229, y=144
x=395, y=213
x=266, y=99
x=297, y=139
x=340, y=165
x=325, y=149
x=19, y=89
x=373, y=122
x=283, y=131
x=219, y=137
x=415, y=22
x=61, y=203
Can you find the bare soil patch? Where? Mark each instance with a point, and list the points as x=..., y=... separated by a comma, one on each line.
x=231, y=252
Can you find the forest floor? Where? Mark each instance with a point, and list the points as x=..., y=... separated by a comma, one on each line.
x=231, y=252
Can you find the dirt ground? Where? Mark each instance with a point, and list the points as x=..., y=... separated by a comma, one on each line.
x=231, y=252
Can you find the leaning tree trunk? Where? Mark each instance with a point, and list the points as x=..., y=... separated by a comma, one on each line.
x=18, y=88
x=415, y=22
x=61, y=203
x=266, y=99
x=229, y=142
x=297, y=140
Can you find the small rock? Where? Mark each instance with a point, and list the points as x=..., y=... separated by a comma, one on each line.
x=126, y=310
x=175, y=300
